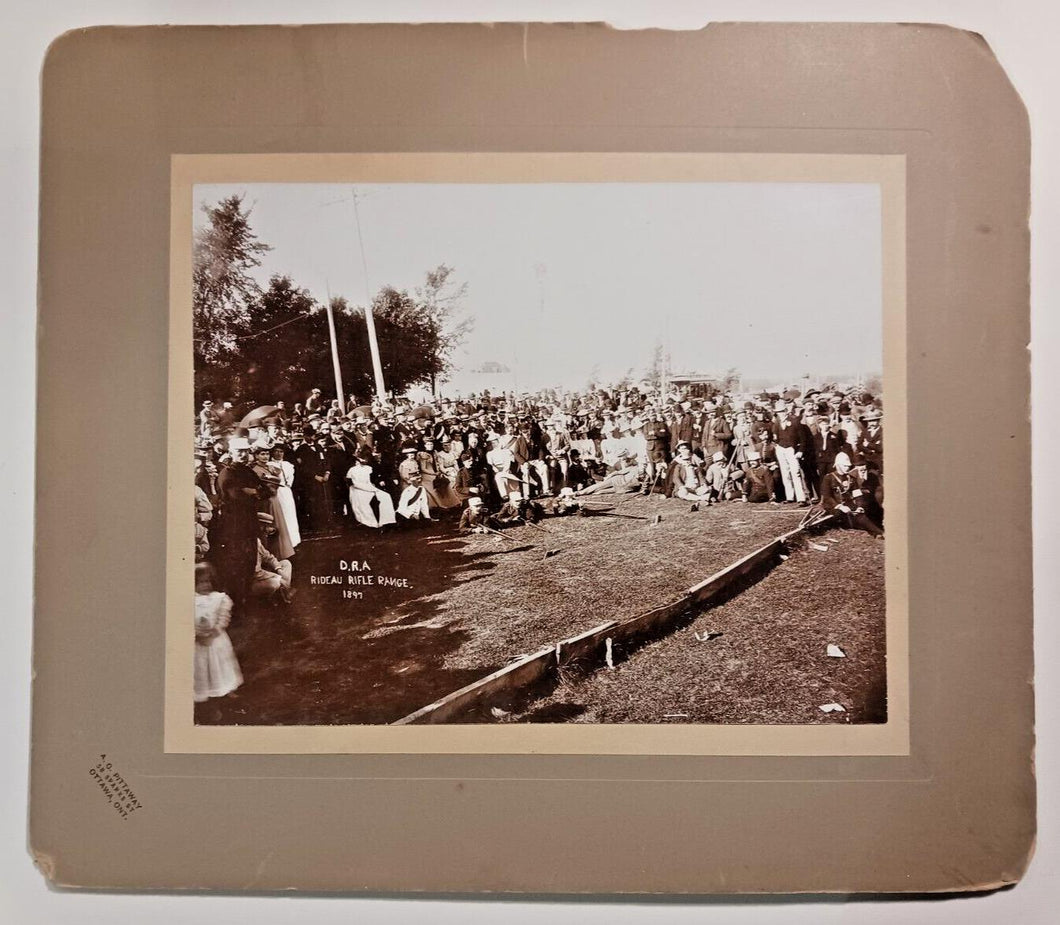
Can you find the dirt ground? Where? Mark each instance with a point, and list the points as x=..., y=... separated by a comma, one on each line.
x=471, y=605
x=760, y=657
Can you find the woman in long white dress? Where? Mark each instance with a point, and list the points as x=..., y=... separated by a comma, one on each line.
x=284, y=471
x=362, y=491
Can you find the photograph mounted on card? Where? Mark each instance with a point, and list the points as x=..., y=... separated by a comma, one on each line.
x=537, y=453
x=469, y=443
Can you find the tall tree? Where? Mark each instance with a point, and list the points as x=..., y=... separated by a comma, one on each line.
x=224, y=292
x=408, y=341
x=654, y=371
x=440, y=298
x=284, y=353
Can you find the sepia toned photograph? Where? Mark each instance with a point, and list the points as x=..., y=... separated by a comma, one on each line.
x=538, y=453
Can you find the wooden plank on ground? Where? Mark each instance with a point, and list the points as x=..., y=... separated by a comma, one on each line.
x=723, y=580
x=501, y=686
x=589, y=648
x=629, y=634
x=586, y=649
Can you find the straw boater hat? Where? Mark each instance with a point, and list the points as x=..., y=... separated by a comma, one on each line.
x=752, y=455
x=474, y=501
x=566, y=492
x=238, y=443
x=718, y=457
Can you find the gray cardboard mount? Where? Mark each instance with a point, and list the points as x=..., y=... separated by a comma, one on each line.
x=956, y=813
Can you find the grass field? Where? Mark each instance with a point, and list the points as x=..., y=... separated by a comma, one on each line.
x=760, y=657
x=474, y=603
x=604, y=568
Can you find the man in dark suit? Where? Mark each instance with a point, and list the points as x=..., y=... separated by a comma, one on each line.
x=827, y=442
x=715, y=432
x=340, y=458
x=657, y=435
x=684, y=429
x=870, y=442
x=314, y=479
x=841, y=498
x=758, y=480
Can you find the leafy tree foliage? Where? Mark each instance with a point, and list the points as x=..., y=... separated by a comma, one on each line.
x=440, y=299
x=224, y=292
x=257, y=346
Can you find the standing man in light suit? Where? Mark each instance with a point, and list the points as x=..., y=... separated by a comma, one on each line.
x=790, y=437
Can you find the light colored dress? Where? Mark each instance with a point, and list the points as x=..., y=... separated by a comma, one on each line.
x=433, y=464
x=281, y=541
x=362, y=491
x=500, y=462
x=216, y=669
x=284, y=471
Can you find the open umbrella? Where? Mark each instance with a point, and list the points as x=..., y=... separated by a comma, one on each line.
x=259, y=416
x=423, y=412
x=366, y=410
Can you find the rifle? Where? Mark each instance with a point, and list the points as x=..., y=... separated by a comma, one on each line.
x=609, y=513
x=495, y=532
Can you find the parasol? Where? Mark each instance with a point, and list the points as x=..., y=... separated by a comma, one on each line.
x=423, y=412
x=259, y=415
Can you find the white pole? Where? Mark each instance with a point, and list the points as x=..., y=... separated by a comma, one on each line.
x=335, y=357
x=369, y=320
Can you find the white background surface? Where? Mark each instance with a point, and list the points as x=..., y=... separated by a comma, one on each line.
x=1023, y=34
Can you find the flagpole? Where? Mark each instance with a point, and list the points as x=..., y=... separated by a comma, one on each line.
x=335, y=355
x=369, y=319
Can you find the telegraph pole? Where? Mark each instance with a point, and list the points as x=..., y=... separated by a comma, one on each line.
x=335, y=355
x=369, y=320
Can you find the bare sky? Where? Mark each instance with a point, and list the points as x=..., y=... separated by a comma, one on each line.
x=775, y=279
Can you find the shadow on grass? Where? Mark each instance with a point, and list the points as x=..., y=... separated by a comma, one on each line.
x=329, y=659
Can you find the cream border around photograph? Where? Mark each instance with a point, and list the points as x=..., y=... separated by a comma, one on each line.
x=182, y=735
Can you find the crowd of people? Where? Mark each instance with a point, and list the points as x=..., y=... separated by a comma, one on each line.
x=268, y=478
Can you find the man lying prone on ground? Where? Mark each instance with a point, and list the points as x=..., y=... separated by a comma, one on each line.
x=518, y=510
x=476, y=519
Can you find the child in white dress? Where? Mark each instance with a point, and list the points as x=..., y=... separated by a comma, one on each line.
x=216, y=669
